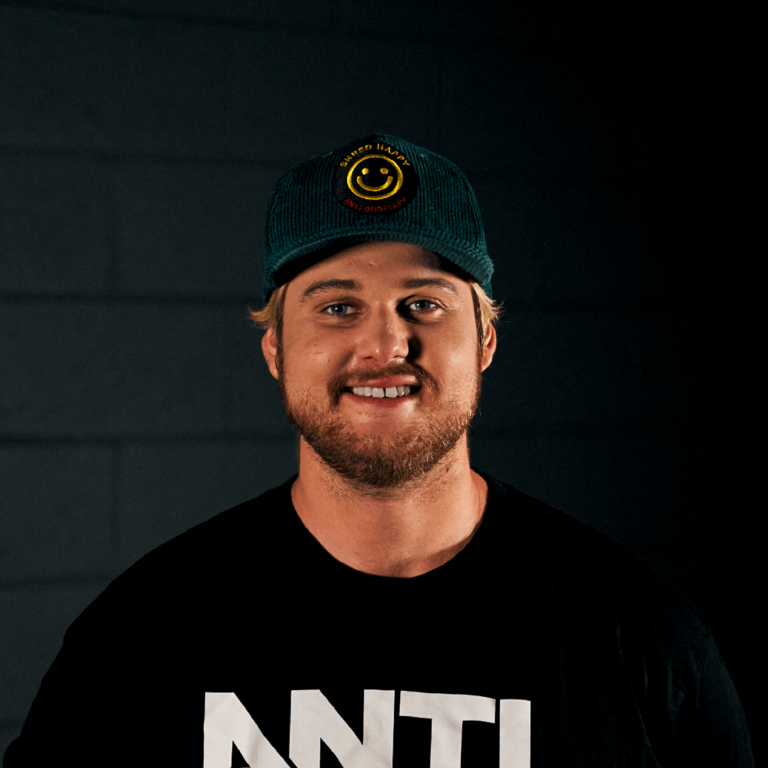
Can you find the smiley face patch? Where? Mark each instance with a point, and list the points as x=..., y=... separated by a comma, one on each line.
x=373, y=177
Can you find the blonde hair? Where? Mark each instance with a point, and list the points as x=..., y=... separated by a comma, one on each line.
x=267, y=317
x=487, y=311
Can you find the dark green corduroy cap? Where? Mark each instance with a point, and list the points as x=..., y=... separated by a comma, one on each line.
x=377, y=188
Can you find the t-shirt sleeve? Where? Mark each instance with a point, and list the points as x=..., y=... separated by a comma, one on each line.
x=113, y=695
x=711, y=727
x=70, y=714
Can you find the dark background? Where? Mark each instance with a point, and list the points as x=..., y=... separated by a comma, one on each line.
x=138, y=145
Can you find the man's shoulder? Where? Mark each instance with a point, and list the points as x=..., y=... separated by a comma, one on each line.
x=239, y=545
x=589, y=575
x=244, y=527
x=558, y=540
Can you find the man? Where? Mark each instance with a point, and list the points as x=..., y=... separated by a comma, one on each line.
x=390, y=606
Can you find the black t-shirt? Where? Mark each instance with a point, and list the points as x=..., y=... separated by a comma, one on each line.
x=243, y=642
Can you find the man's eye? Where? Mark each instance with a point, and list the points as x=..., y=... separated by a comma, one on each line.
x=421, y=305
x=338, y=310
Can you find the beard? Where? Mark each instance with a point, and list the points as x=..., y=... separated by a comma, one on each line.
x=376, y=460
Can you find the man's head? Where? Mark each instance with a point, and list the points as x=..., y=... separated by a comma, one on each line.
x=379, y=343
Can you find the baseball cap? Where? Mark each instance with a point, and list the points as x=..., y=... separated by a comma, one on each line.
x=376, y=188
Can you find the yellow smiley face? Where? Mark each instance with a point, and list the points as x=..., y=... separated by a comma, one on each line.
x=375, y=177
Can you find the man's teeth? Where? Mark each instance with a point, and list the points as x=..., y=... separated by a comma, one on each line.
x=377, y=392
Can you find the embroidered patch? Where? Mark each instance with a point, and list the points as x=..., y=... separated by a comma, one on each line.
x=373, y=177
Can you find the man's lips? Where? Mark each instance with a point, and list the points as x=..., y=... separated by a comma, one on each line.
x=384, y=387
x=384, y=382
x=388, y=386
x=378, y=393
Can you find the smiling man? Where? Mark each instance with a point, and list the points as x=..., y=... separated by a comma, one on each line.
x=390, y=606
x=385, y=483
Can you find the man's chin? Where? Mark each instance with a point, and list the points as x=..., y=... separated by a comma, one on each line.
x=377, y=460
x=379, y=453
x=362, y=463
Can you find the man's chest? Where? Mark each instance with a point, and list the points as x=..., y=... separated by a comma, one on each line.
x=373, y=728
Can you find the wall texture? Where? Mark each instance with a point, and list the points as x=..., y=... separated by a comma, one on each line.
x=138, y=145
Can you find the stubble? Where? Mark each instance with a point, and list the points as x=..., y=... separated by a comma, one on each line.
x=374, y=459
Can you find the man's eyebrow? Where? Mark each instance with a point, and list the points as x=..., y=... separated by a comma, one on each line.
x=353, y=285
x=430, y=282
x=330, y=285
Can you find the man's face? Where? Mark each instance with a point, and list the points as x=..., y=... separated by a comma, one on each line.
x=379, y=318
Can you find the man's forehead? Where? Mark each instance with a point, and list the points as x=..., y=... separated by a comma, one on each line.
x=376, y=266
x=356, y=286
x=360, y=267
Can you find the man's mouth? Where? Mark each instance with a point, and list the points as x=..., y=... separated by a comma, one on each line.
x=379, y=392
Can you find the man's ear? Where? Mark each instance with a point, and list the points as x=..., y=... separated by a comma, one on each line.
x=269, y=348
x=489, y=346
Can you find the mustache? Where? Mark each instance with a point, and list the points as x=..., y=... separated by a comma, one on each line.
x=422, y=376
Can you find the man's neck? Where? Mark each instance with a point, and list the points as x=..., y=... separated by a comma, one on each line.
x=403, y=531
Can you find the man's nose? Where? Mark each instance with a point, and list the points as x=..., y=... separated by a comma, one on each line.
x=384, y=336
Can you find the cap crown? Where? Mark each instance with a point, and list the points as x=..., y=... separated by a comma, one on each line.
x=378, y=188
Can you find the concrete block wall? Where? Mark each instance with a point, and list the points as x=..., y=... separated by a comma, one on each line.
x=139, y=142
